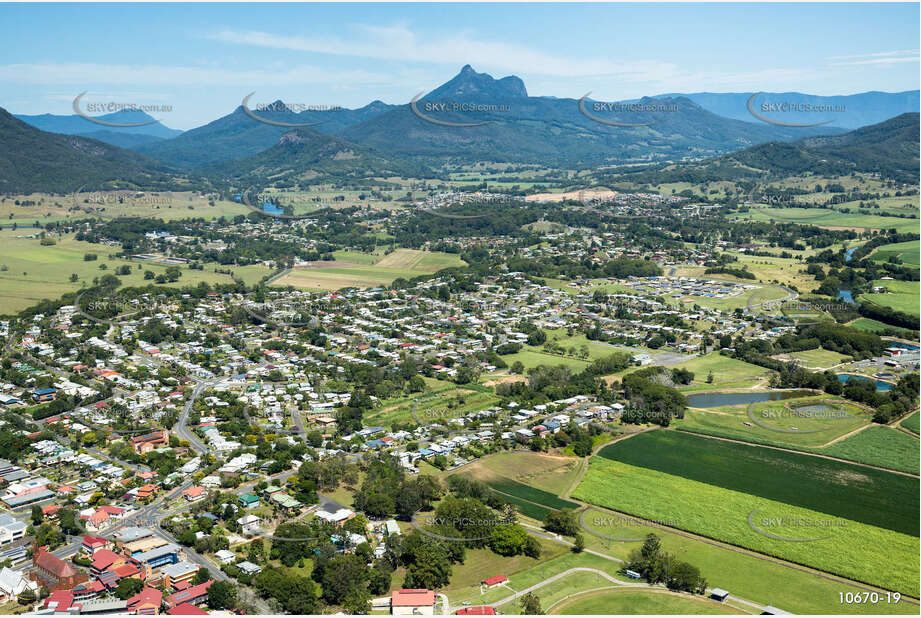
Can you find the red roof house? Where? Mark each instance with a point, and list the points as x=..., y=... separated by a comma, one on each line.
x=412, y=597
x=495, y=580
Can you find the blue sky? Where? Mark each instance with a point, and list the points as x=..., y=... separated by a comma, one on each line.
x=202, y=59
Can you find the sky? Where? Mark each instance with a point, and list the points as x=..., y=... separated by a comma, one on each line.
x=201, y=60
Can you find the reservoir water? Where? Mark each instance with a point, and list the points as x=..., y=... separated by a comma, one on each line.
x=715, y=400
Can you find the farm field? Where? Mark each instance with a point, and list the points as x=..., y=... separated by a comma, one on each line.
x=912, y=423
x=782, y=270
x=550, y=473
x=824, y=217
x=642, y=602
x=758, y=579
x=806, y=422
x=875, y=326
x=879, y=445
x=829, y=542
x=727, y=373
x=405, y=263
x=902, y=295
x=30, y=272
x=819, y=359
x=420, y=261
x=873, y=497
x=909, y=252
x=531, y=501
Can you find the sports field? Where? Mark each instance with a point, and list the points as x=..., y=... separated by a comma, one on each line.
x=405, y=263
x=643, y=602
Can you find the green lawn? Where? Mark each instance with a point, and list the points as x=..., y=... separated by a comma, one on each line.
x=555, y=559
x=443, y=401
x=875, y=326
x=551, y=473
x=531, y=357
x=832, y=543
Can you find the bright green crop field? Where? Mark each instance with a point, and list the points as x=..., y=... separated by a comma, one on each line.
x=856, y=493
x=831, y=543
x=879, y=446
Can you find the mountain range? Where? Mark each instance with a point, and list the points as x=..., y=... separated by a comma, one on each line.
x=889, y=149
x=511, y=126
x=151, y=130
x=472, y=117
x=856, y=110
x=238, y=135
x=35, y=160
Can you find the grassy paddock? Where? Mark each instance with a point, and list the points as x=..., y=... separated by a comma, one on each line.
x=30, y=272
x=773, y=419
x=901, y=295
x=749, y=576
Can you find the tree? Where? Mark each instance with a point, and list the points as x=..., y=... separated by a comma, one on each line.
x=579, y=544
x=201, y=576
x=37, y=515
x=26, y=597
x=530, y=604
x=562, y=522
x=128, y=587
x=537, y=337
x=222, y=595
